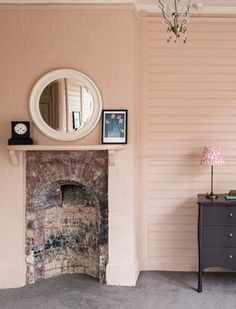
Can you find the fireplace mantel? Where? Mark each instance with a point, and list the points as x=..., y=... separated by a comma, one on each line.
x=15, y=149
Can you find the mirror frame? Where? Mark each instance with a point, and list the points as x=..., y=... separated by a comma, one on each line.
x=39, y=87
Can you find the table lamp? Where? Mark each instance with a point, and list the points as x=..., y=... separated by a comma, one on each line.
x=212, y=155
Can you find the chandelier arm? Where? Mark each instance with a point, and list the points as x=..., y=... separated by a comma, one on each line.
x=163, y=13
x=184, y=21
x=185, y=15
x=187, y=10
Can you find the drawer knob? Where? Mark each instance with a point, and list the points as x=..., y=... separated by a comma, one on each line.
x=230, y=257
x=230, y=216
x=230, y=236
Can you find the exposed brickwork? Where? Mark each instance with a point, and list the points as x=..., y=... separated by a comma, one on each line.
x=66, y=213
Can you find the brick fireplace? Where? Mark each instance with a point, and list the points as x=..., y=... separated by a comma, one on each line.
x=66, y=213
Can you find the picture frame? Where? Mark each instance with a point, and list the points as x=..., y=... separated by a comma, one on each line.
x=114, y=126
x=76, y=120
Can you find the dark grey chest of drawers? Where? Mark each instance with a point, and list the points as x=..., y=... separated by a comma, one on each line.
x=216, y=234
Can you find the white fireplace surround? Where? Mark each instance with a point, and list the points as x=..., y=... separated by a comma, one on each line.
x=122, y=269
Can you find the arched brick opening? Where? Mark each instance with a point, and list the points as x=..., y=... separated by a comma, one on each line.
x=66, y=218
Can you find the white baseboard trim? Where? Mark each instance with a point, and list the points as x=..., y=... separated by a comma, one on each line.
x=170, y=267
x=122, y=274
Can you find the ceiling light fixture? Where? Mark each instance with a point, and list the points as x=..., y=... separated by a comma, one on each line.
x=176, y=14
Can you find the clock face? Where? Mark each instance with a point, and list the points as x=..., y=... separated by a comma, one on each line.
x=20, y=128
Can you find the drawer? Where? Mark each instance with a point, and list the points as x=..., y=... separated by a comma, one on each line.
x=225, y=215
x=219, y=257
x=219, y=236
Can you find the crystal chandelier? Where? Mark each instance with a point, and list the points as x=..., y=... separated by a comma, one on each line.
x=176, y=14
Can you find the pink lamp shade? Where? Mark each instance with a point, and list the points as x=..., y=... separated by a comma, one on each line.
x=212, y=155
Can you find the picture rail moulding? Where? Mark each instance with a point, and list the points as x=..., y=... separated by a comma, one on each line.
x=14, y=150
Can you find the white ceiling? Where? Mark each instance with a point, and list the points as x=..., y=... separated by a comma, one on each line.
x=214, y=6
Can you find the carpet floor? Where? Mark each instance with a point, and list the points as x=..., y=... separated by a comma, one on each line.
x=159, y=290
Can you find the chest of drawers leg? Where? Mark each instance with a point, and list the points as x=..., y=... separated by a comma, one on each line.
x=200, y=249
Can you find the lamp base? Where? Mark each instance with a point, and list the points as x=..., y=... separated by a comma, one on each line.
x=211, y=196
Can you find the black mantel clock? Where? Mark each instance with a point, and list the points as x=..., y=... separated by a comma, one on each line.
x=20, y=133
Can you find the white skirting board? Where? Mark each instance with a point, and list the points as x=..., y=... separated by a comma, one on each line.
x=123, y=274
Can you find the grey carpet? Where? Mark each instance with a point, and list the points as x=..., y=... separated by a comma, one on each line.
x=159, y=290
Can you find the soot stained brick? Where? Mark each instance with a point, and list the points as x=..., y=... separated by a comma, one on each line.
x=66, y=213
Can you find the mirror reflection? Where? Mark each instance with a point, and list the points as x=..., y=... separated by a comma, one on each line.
x=66, y=105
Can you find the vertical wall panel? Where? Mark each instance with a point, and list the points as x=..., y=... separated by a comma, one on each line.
x=188, y=100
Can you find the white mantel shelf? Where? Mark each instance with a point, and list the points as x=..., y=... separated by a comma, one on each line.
x=15, y=149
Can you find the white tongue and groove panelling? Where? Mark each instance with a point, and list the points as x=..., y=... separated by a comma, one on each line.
x=188, y=100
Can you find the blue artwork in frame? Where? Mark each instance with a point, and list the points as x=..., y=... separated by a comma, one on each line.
x=114, y=126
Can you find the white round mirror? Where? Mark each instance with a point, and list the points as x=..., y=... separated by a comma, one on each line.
x=65, y=104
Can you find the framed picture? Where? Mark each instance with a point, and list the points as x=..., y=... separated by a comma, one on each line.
x=76, y=120
x=114, y=126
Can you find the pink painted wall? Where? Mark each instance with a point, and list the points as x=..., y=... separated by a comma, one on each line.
x=187, y=96
x=98, y=41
